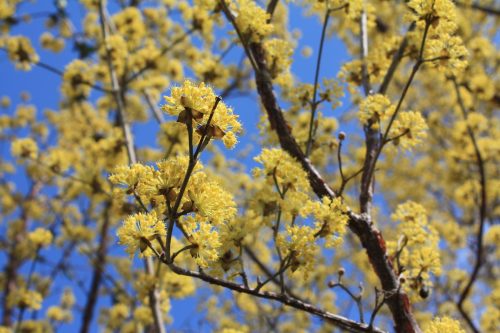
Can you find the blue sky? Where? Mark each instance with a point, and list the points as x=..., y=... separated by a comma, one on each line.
x=44, y=86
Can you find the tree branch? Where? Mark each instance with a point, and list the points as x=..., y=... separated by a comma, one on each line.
x=339, y=321
x=479, y=260
x=127, y=133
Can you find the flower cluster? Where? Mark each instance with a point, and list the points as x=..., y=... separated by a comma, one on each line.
x=204, y=208
x=77, y=79
x=49, y=42
x=443, y=325
x=138, y=233
x=418, y=246
x=252, y=20
x=329, y=218
x=118, y=52
x=409, y=128
x=24, y=148
x=375, y=108
x=443, y=48
x=21, y=52
x=130, y=25
x=298, y=243
x=195, y=103
x=280, y=166
x=278, y=56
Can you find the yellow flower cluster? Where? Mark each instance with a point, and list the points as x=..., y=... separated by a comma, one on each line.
x=118, y=52
x=280, y=165
x=8, y=8
x=204, y=208
x=418, y=245
x=196, y=102
x=446, y=50
x=299, y=244
x=413, y=124
x=278, y=56
x=24, y=148
x=329, y=218
x=49, y=42
x=205, y=239
x=40, y=237
x=210, y=69
x=138, y=233
x=422, y=9
x=25, y=298
x=129, y=24
x=77, y=79
x=449, y=52
x=252, y=20
x=59, y=314
x=375, y=108
x=443, y=325
x=21, y=52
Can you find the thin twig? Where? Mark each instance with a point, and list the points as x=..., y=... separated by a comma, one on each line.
x=314, y=104
x=339, y=321
x=482, y=214
x=127, y=133
x=357, y=299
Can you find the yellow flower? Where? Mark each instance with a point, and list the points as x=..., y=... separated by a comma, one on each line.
x=196, y=102
x=443, y=325
x=330, y=220
x=252, y=20
x=56, y=313
x=24, y=148
x=210, y=200
x=118, y=51
x=5, y=102
x=130, y=175
x=130, y=25
x=143, y=315
x=40, y=237
x=49, y=42
x=25, y=299
x=139, y=232
x=278, y=56
x=375, y=107
x=419, y=244
x=205, y=239
x=413, y=124
x=438, y=9
x=77, y=79
x=167, y=179
x=299, y=245
x=21, y=52
x=178, y=286
x=288, y=172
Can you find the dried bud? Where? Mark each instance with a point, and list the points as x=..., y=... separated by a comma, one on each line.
x=424, y=292
x=341, y=271
x=341, y=136
x=402, y=279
